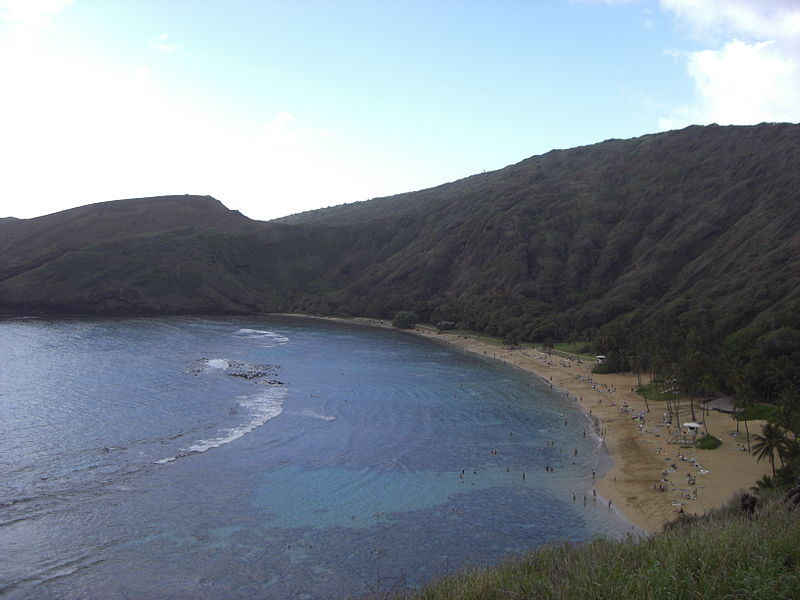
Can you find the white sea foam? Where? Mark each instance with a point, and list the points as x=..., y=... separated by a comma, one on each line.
x=316, y=415
x=266, y=335
x=218, y=363
x=261, y=407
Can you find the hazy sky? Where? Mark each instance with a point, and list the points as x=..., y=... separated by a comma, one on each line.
x=275, y=107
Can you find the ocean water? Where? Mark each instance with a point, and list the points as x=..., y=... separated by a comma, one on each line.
x=273, y=457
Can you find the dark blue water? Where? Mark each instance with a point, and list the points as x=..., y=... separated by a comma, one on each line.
x=272, y=458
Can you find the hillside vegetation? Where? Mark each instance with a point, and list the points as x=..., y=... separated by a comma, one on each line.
x=725, y=555
x=685, y=235
x=707, y=216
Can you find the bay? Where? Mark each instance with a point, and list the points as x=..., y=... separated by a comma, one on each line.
x=273, y=457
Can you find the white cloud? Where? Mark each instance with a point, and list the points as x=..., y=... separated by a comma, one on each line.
x=77, y=132
x=162, y=44
x=602, y=1
x=31, y=13
x=70, y=127
x=742, y=84
x=761, y=19
x=751, y=74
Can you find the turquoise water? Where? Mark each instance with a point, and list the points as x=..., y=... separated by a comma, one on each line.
x=272, y=457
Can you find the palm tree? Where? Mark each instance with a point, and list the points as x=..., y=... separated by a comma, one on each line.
x=788, y=417
x=782, y=376
x=743, y=401
x=772, y=439
x=691, y=366
x=765, y=483
x=707, y=385
x=637, y=363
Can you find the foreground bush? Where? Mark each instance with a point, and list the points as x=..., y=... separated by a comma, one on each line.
x=725, y=555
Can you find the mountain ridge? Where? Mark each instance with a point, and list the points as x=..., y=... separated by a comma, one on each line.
x=704, y=218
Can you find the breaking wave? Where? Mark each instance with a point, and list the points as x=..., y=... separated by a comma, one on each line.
x=262, y=407
x=316, y=415
x=259, y=407
x=264, y=335
x=218, y=363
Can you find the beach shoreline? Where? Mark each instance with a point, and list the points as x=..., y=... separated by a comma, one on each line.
x=653, y=477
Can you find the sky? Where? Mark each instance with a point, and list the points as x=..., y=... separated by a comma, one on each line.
x=277, y=107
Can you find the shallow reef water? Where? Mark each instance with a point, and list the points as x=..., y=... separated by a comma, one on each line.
x=272, y=457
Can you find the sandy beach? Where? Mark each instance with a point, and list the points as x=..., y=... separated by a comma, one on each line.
x=654, y=476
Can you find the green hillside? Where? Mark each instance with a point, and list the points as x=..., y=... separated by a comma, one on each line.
x=572, y=239
x=30, y=243
x=555, y=244
x=651, y=238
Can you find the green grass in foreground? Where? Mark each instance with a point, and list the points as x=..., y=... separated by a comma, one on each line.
x=725, y=555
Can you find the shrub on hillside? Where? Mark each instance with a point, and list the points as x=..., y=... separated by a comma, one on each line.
x=405, y=319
